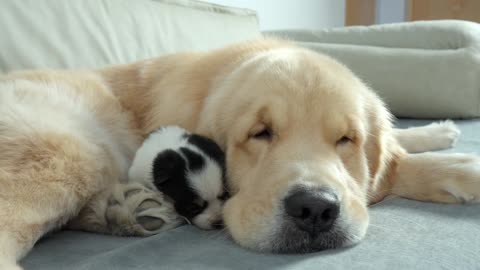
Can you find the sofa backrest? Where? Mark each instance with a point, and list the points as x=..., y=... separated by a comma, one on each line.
x=95, y=33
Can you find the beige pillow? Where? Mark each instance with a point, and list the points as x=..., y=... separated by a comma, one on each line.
x=425, y=69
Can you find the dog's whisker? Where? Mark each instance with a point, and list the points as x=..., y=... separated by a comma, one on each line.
x=186, y=220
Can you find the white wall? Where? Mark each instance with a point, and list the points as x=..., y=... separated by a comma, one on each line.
x=291, y=14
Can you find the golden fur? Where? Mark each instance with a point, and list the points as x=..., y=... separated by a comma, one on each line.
x=67, y=138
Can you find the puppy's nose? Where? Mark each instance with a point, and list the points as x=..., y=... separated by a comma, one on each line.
x=217, y=224
x=314, y=210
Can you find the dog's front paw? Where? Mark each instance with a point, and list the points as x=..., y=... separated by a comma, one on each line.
x=443, y=134
x=134, y=209
x=462, y=181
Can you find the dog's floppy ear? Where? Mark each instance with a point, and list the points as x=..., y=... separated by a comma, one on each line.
x=380, y=148
x=167, y=165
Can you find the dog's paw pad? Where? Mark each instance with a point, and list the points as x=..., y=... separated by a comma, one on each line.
x=130, y=192
x=148, y=204
x=155, y=215
x=150, y=223
x=134, y=209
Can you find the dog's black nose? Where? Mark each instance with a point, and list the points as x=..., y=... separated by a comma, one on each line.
x=313, y=210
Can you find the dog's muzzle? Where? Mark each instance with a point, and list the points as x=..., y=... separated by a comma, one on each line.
x=311, y=221
x=313, y=211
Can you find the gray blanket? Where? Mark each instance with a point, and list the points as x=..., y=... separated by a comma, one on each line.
x=403, y=235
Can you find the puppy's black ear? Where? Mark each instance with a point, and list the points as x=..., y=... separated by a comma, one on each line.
x=208, y=147
x=167, y=165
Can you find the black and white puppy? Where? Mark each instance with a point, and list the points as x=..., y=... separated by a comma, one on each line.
x=189, y=169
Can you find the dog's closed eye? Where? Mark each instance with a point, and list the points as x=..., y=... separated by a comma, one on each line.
x=261, y=132
x=343, y=140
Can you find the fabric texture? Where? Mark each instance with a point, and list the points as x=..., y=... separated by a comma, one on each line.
x=425, y=69
x=95, y=33
x=403, y=235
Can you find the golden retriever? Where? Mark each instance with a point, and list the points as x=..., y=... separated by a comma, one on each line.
x=308, y=148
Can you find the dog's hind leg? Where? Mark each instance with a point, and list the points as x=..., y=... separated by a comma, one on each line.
x=45, y=179
x=435, y=136
x=437, y=177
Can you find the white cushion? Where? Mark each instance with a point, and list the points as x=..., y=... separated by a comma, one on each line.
x=425, y=69
x=94, y=33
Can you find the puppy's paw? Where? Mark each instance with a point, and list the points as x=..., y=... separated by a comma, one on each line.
x=134, y=209
x=443, y=134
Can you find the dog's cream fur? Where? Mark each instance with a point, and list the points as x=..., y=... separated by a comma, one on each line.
x=67, y=138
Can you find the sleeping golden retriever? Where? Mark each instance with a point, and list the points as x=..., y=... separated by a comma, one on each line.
x=308, y=148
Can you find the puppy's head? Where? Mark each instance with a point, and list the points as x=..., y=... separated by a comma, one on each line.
x=189, y=169
x=303, y=138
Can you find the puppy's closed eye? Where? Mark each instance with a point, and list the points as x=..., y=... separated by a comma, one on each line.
x=196, y=208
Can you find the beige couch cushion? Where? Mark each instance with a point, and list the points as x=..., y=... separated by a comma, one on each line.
x=93, y=33
x=424, y=69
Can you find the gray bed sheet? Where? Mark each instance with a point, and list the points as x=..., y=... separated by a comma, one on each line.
x=403, y=235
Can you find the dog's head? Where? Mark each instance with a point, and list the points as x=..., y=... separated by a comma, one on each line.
x=303, y=139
